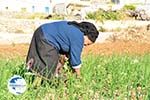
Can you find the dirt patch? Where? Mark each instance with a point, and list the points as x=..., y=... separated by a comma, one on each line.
x=118, y=47
x=129, y=47
x=14, y=50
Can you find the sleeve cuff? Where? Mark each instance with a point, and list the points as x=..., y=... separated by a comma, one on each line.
x=78, y=66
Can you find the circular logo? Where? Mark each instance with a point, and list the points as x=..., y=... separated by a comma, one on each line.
x=17, y=85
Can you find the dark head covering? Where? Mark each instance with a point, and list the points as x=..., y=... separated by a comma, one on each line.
x=87, y=28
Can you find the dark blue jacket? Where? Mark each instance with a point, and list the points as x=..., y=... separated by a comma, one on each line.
x=66, y=38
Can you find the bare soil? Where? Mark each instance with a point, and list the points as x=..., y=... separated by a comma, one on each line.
x=14, y=50
x=119, y=47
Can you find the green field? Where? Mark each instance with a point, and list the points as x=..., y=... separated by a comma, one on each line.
x=115, y=77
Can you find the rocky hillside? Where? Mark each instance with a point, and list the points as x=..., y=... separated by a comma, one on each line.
x=137, y=34
x=19, y=25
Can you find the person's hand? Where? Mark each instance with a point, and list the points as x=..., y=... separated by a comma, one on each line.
x=77, y=71
x=63, y=59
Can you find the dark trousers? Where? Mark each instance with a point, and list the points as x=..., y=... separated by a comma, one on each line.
x=42, y=57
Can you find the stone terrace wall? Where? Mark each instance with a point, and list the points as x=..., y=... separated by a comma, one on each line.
x=19, y=25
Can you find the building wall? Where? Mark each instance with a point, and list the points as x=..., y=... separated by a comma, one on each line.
x=26, y=5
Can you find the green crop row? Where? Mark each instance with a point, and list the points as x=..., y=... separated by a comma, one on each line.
x=115, y=77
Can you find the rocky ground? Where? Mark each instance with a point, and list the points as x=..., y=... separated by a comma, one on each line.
x=137, y=34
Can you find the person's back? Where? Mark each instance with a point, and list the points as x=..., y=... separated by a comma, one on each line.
x=62, y=35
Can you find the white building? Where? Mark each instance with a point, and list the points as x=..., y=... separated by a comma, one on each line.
x=44, y=6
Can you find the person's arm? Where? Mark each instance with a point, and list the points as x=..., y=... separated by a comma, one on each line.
x=76, y=45
x=75, y=59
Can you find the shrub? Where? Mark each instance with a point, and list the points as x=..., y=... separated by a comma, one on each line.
x=102, y=15
x=129, y=7
x=37, y=15
x=57, y=17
